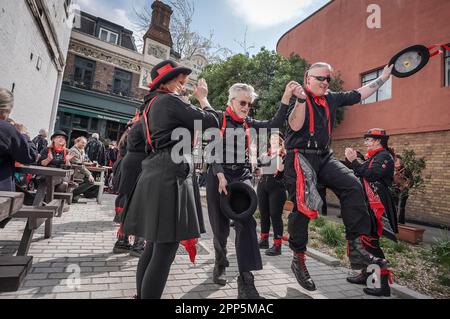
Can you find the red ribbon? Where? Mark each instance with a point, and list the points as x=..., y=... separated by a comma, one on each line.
x=438, y=51
x=161, y=72
x=191, y=247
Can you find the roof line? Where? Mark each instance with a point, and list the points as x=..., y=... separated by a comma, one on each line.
x=307, y=18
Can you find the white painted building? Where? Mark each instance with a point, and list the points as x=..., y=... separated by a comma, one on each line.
x=34, y=39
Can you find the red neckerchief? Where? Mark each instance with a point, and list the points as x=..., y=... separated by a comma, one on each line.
x=320, y=101
x=58, y=151
x=239, y=120
x=371, y=153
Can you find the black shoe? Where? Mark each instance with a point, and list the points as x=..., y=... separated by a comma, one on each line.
x=246, y=287
x=219, y=273
x=301, y=273
x=264, y=243
x=383, y=291
x=359, y=279
x=275, y=250
x=121, y=247
x=358, y=255
x=137, y=249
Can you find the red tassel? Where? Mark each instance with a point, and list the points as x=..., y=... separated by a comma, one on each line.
x=191, y=247
x=388, y=273
x=277, y=242
x=263, y=236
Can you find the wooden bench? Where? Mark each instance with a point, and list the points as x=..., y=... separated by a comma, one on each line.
x=65, y=196
x=13, y=270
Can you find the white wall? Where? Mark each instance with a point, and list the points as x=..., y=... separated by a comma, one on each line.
x=20, y=37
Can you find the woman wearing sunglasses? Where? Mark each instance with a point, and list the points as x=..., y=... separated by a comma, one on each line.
x=235, y=167
x=308, y=137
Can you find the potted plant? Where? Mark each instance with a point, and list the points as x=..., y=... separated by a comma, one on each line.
x=407, y=178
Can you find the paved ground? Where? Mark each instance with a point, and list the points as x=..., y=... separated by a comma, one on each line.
x=82, y=244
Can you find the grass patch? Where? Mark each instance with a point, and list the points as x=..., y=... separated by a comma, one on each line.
x=319, y=222
x=407, y=275
x=332, y=235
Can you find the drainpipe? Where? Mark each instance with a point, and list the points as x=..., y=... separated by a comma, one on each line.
x=55, y=102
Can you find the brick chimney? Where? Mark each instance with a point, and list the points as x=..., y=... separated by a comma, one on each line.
x=159, y=26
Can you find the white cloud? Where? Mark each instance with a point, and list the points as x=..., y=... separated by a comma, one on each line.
x=267, y=13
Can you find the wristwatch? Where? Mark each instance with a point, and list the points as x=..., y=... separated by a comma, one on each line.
x=301, y=101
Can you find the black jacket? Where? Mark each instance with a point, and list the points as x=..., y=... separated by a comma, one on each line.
x=96, y=151
x=14, y=146
x=40, y=142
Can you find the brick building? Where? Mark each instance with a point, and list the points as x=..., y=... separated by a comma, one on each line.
x=106, y=77
x=34, y=37
x=415, y=110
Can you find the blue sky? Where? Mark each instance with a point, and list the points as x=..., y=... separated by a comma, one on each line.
x=266, y=20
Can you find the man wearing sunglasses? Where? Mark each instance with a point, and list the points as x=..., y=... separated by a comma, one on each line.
x=308, y=137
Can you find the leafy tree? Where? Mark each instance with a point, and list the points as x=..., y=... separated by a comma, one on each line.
x=267, y=71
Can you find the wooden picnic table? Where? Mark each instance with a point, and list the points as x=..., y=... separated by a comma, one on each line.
x=13, y=269
x=101, y=181
x=45, y=207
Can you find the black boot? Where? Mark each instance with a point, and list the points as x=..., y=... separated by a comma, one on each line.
x=137, y=248
x=301, y=273
x=358, y=255
x=275, y=250
x=246, y=287
x=121, y=246
x=264, y=241
x=219, y=273
x=359, y=279
x=385, y=280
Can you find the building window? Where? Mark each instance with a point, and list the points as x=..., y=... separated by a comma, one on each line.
x=383, y=93
x=108, y=36
x=122, y=82
x=447, y=67
x=84, y=73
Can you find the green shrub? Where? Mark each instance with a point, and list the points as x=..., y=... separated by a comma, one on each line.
x=332, y=235
x=341, y=251
x=440, y=250
x=320, y=221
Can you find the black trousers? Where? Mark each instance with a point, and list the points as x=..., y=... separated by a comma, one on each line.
x=336, y=176
x=247, y=250
x=271, y=198
x=87, y=188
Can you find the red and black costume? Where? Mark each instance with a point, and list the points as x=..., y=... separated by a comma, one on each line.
x=312, y=141
x=271, y=198
x=247, y=250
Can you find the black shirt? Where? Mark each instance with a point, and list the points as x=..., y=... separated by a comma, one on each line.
x=59, y=159
x=136, y=139
x=381, y=170
x=169, y=112
x=300, y=139
x=235, y=156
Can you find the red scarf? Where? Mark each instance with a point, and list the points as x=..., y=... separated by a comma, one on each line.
x=371, y=153
x=234, y=116
x=239, y=120
x=319, y=100
x=58, y=150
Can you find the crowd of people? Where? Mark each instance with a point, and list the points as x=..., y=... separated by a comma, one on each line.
x=158, y=204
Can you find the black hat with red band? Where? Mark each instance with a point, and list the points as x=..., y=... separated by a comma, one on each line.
x=165, y=71
x=377, y=133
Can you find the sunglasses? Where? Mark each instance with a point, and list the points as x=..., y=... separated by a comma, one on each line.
x=322, y=78
x=245, y=103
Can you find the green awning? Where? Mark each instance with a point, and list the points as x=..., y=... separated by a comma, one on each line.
x=95, y=114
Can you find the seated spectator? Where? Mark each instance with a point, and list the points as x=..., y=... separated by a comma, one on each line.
x=15, y=145
x=87, y=187
x=56, y=155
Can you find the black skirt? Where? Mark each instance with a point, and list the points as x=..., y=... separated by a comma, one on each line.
x=162, y=207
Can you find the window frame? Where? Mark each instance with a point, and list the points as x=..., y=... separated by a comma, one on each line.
x=377, y=73
x=120, y=91
x=108, y=36
x=84, y=68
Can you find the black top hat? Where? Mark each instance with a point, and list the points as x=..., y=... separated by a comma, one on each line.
x=240, y=203
x=410, y=61
x=165, y=71
x=59, y=133
x=377, y=133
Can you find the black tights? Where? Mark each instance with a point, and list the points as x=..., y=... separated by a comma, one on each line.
x=153, y=269
x=271, y=199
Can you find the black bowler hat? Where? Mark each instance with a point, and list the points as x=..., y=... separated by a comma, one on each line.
x=59, y=133
x=377, y=133
x=165, y=71
x=410, y=61
x=240, y=203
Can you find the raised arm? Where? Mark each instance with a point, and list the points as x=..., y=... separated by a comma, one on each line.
x=371, y=88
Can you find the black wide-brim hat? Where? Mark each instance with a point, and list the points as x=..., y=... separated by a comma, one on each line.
x=410, y=61
x=241, y=202
x=165, y=71
x=377, y=133
x=59, y=133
